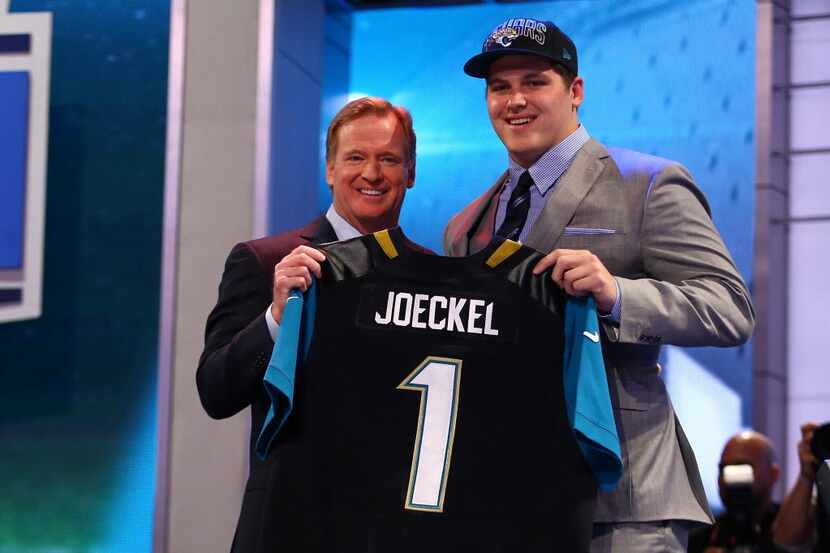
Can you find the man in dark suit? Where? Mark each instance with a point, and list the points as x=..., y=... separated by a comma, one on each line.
x=370, y=164
x=632, y=230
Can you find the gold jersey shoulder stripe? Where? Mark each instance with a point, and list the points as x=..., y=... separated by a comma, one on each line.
x=386, y=244
x=505, y=250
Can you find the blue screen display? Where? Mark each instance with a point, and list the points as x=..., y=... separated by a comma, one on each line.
x=79, y=398
x=14, y=114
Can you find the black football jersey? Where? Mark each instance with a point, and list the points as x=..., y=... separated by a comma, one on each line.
x=420, y=405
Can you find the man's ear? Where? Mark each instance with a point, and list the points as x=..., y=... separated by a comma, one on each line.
x=577, y=92
x=330, y=174
x=411, y=176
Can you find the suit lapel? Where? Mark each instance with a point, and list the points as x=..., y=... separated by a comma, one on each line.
x=475, y=224
x=319, y=231
x=566, y=196
x=483, y=231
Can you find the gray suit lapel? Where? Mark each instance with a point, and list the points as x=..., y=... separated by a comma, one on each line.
x=566, y=196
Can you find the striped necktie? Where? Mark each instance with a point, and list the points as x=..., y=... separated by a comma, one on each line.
x=517, y=208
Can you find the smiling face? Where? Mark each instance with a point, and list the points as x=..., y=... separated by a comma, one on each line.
x=531, y=106
x=370, y=171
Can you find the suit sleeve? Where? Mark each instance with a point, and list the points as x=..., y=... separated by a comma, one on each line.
x=692, y=294
x=237, y=342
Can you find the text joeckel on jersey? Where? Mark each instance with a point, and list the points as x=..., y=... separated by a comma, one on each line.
x=415, y=406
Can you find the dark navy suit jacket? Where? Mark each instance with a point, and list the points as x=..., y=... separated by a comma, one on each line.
x=238, y=347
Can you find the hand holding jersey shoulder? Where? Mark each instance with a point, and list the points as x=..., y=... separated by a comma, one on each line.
x=294, y=271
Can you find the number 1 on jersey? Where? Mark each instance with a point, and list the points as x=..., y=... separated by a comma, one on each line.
x=438, y=379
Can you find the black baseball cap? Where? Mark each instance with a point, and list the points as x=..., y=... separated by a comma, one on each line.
x=524, y=36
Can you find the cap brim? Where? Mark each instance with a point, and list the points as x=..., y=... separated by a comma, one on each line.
x=479, y=65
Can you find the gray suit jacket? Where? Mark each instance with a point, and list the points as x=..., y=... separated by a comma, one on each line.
x=650, y=225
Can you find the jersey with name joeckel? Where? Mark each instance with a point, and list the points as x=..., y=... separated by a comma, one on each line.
x=431, y=411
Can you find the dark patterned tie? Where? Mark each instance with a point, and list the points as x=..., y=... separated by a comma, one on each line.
x=517, y=209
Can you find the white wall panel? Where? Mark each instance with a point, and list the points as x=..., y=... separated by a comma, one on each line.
x=810, y=7
x=810, y=185
x=809, y=257
x=809, y=118
x=808, y=308
x=208, y=458
x=810, y=47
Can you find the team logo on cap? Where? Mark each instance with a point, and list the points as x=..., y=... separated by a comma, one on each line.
x=510, y=30
x=504, y=36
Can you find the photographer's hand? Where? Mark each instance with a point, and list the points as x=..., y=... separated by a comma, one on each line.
x=808, y=461
x=794, y=523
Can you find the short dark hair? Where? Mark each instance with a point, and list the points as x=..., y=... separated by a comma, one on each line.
x=565, y=73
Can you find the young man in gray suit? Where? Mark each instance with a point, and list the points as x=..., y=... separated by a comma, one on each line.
x=634, y=231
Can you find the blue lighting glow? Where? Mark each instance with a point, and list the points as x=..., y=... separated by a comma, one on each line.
x=130, y=525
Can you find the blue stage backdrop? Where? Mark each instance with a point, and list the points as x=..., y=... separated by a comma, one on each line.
x=674, y=79
x=78, y=400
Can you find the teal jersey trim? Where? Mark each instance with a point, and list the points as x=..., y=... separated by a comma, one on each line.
x=587, y=397
x=586, y=393
x=296, y=329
